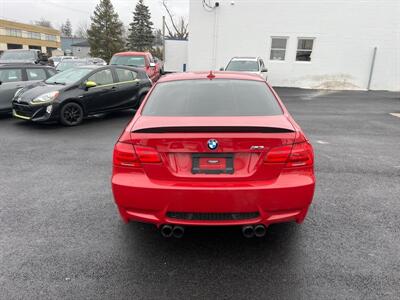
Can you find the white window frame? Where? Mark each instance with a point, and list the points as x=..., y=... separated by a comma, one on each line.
x=14, y=32
x=311, y=51
x=51, y=37
x=284, y=49
x=34, y=35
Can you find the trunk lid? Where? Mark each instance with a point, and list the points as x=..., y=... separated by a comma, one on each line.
x=183, y=144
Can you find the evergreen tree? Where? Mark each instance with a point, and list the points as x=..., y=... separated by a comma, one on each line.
x=105, y=32
x=66, y=29
x=141, y=36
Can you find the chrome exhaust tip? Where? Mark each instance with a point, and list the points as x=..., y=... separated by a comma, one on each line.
x=178, y=232
x=260, y=230
x=166, y=231
x=248, y=231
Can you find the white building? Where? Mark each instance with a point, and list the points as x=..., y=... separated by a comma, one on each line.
x=337, y=36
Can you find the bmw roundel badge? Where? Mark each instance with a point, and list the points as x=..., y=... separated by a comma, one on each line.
x=212, y=144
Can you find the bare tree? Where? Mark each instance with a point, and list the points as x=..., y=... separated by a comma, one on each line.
x=176, y=30
x=43, y=22
x=81, y=30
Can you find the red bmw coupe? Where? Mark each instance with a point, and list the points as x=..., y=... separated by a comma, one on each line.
x=213, y=149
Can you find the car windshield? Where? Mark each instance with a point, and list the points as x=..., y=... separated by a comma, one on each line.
x=69, y=63
x=218, y=97
x=135, y=61
x=18, y=55
x=69, y=76
x=242, y=65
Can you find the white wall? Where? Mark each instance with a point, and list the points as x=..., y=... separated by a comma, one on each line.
x=176, y=55
x=81, y=52
x=345, y=32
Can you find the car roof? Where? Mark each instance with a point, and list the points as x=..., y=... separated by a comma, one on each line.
x=76, y=60
x=253, y=58
x=130, y=53
x=94, y=67
x=26, y=50
x=91, y=66
x=206, y=75
x=23, y=65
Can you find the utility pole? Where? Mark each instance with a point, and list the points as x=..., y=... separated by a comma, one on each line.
x=163, y=34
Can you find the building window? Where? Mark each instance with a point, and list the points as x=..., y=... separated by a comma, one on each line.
x=304, y=49
x=14, y=32
x=34, y=35
x=278, y=48
x=50, y=37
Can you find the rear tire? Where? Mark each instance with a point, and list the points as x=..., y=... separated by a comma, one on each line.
x=71, y=114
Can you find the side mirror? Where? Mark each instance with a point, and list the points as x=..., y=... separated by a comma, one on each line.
x=264, y=70
x=90, y=84
x=222, y=69
x=152, y=65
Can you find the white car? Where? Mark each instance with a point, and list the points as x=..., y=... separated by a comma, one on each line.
x=247, y=64
x=58, y=59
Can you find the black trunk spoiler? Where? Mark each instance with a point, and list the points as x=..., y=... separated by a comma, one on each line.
x=188, y=129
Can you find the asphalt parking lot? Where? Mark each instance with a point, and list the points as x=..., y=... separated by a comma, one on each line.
x=61, y=236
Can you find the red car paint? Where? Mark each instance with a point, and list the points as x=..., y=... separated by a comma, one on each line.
x=152, y=71
x=153, y=177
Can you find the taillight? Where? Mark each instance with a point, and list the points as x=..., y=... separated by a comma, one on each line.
x=296, y=155
x=278, y=154
x=125, y=155
x=128, y=155
x=147, y=154
x=301, y=155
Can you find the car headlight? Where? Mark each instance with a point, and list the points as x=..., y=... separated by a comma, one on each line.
x=18, y=92
x=45, y=98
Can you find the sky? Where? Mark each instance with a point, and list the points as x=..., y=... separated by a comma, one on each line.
x=79, y=11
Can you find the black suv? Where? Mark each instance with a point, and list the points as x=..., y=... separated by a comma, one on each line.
x=71, y=95
x=16, y=76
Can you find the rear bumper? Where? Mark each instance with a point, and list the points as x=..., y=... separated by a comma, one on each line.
x=286, y=199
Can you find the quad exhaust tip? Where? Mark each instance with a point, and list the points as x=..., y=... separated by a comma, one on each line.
x=168, y=231
x=260, y=230
x=249, y=231
x=178, y=232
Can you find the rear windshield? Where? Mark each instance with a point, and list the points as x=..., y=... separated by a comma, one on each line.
x=218, y=97
x=133, y=61
x=242, y=65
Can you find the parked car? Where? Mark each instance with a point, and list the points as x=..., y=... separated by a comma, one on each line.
x=16, y=76
x=71, y=95
x=72, y=63
x=213, y=149
x=57, y=59
x=97, y=61
x=22, y=56
x=160, y=64
x=143, y=60
x=247, y=64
